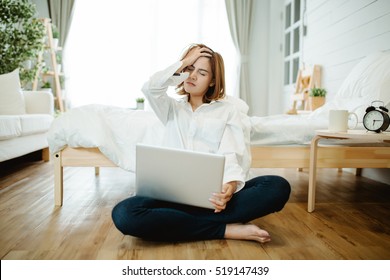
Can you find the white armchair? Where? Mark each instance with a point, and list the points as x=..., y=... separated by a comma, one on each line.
x=24, y=119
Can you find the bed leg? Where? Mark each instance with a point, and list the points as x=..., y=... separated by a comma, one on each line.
x=358, y=172
x=45, y=154
x=58, y=180
x=97, y=170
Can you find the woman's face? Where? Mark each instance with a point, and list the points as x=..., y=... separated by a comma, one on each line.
x=200, y=77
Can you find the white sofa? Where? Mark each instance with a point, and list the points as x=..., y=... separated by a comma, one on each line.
x=25, y=118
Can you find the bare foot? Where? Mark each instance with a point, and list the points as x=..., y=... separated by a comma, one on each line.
x=246, y=232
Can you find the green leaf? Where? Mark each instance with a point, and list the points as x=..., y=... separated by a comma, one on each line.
x=21, y=37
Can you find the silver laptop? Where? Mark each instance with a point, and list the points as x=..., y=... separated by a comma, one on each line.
x=180, y=176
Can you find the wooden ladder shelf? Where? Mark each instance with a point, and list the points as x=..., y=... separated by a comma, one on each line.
x=54, y=66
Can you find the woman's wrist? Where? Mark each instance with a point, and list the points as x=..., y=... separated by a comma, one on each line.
x=183, y=65
x=233, y=185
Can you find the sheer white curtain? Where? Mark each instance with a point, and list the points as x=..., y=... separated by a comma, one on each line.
x=114, y=46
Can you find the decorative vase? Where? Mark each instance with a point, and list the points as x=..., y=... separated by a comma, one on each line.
x=27, y=64
x=315, y=102
x=55, y=43
x=140, y=105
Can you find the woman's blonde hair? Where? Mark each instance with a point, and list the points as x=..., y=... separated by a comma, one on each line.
x=217, y=90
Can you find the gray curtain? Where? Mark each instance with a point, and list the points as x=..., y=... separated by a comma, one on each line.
x=61, y=12
x=239, y=13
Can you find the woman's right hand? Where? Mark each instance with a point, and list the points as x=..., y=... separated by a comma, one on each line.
x=220, y=200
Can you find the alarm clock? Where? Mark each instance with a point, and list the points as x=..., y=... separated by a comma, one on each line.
x=376, y=118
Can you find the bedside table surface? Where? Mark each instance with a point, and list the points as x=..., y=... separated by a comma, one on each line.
x=355, y=134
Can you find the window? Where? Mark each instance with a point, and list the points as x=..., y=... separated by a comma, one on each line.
x=115, y=46
x=292, y=40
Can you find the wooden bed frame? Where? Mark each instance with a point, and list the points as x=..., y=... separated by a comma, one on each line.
x=262, y=157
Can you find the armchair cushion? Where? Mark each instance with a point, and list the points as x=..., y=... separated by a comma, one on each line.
x=10, y=127
x=35, y=123
x=39, y=102
x=11, y=98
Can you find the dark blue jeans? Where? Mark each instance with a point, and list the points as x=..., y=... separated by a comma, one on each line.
x=165, y=221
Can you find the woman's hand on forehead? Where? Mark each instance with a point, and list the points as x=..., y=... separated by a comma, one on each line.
x=206, y=50
x=193, y=55
x=196, y=53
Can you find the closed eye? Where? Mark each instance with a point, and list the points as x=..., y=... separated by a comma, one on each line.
x=202, y=72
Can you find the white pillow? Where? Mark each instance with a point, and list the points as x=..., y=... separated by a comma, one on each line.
x=367, y=77
x=11, y=97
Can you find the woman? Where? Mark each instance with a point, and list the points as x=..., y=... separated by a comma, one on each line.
x=203, y=121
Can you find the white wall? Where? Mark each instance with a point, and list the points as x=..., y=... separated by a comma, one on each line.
x=42, y=8
x=266, y=58
x=341, y=33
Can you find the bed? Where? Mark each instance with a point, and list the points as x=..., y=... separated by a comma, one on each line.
x=104, y=136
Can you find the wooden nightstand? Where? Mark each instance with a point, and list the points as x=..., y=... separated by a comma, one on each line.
x=361, y=155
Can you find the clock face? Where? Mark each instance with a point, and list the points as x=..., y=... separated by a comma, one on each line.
x=373, y=120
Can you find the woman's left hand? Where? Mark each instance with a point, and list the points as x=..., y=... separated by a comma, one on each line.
x=220, y=200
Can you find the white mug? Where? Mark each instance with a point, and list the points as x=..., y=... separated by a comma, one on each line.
x=341, y=120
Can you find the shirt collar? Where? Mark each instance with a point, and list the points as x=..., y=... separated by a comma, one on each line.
x=185, y=99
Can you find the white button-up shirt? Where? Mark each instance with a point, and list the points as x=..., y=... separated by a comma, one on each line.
x=213, y=127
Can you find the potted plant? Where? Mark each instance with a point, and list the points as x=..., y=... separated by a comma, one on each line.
x=316, y=98
x=22, y=38
x=44, y=68
x=46, y=86
x=56, y=36
x=59, y=62
x=140, y=103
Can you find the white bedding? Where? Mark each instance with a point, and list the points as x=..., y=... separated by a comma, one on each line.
x=115, y=131
x=285, y=129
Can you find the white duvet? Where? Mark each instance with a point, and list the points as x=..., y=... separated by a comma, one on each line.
x=115, y=131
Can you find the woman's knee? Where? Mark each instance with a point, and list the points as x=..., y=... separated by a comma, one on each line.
x=275, y=183
x=131, y=216
x=119, y=217
x=282, y=190
x=284, y=186
x=123, y=218
x=278, y=188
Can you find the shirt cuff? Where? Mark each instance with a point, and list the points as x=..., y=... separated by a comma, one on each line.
x=240, y=186
x=169, y=77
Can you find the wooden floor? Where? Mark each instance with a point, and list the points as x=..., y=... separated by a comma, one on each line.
x=351, y=220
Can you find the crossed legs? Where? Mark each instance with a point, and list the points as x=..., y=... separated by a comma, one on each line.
x=164, y=221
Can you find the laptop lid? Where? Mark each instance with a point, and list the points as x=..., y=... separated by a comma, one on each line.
x=179, y=176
